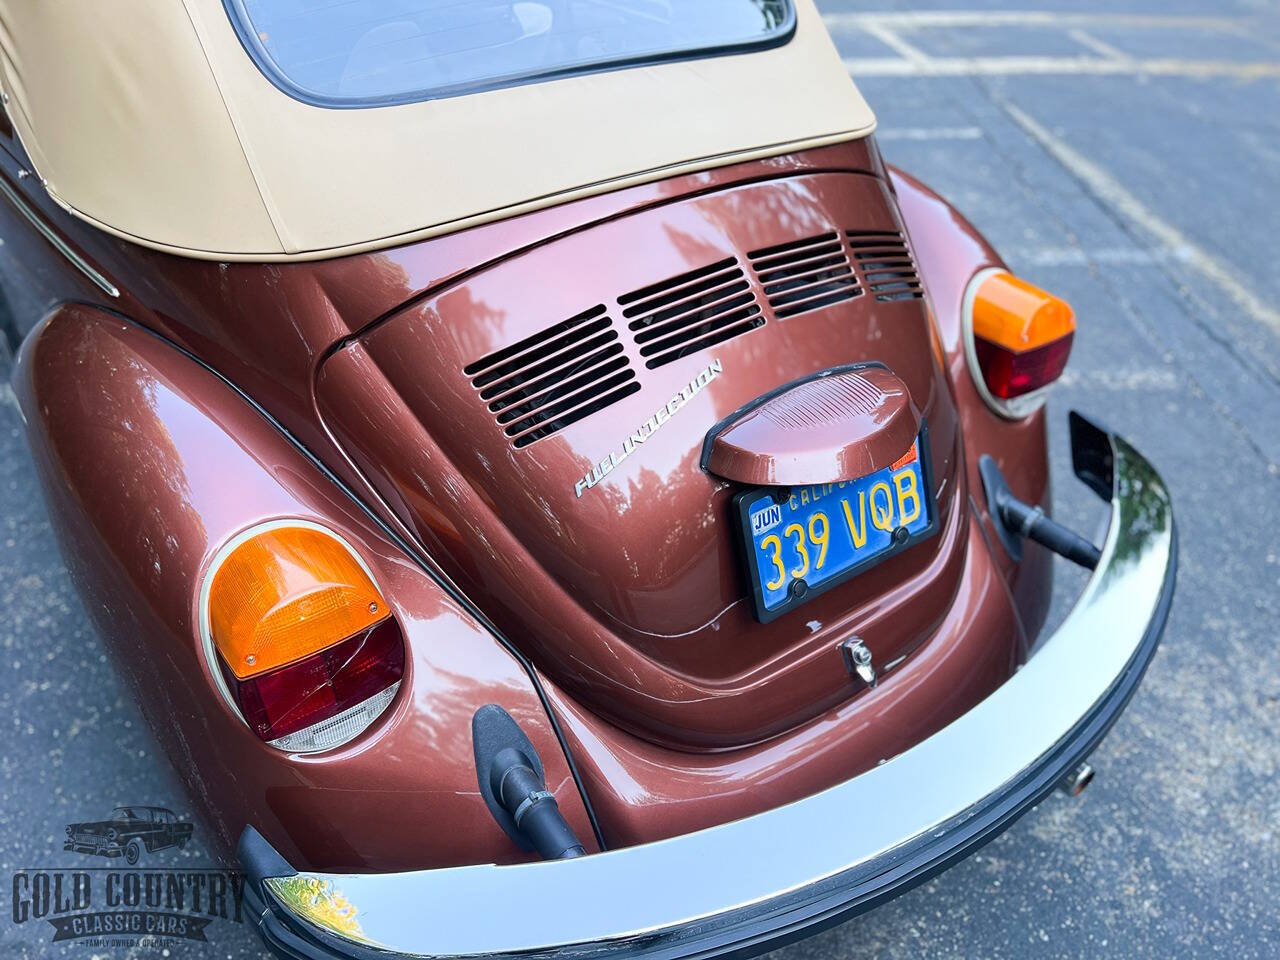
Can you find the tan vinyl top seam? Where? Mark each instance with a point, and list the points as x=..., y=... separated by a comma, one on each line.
x=273, y=214
x=489, y=216
x=153, y=124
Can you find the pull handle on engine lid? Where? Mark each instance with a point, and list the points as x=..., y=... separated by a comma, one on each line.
x=833, y=426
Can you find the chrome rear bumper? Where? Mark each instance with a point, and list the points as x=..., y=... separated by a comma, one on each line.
x=755, y=883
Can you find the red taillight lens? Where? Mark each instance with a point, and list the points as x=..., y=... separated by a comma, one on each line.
x=1020, y=339
x=304, y=695
x=1008, y=374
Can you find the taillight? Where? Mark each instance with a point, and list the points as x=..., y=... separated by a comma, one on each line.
x=299, y=637
x=1018, y=339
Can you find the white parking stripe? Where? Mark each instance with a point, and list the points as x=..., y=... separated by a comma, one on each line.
x=1097, y=46
x=1077, y=257
x=1123, y=380
x=1024, y=18
x=1106, y=61
x=1008, y=66
x=1111, y=193
x=929, y=133
x=895, y=42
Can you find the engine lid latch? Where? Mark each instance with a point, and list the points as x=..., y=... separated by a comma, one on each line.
x=857, y=660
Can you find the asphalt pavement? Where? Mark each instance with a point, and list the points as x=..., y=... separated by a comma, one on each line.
x=1124, y=156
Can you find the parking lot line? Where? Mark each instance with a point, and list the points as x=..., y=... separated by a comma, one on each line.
x=1113, y=195
x=1125, y=379
x=894, y=42
x=1086, y=39
x=929, y=133
x=1079, y=257
x=1021, y=18
x=893, y=31
x=927, y=66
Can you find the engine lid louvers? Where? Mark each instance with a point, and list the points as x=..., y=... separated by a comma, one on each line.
x=886, y=266
x=555, y=377
x=691, y=311
x=805, y=275
x=577, y=367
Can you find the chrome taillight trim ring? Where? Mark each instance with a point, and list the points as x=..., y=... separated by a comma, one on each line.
x=210, y=651
x=1016, y=408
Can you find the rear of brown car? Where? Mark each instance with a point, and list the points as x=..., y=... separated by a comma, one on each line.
x=498, y=417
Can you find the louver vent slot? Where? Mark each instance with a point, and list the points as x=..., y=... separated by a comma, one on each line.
x=885, y=265
x=554, y=378
x=691, y=312
x=805, y=275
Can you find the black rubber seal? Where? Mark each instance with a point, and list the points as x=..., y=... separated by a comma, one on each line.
x=242, y=23
x=493, y=730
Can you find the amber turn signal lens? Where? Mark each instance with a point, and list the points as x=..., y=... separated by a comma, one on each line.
x=1014, y=314
x=287, y=593
x=1022, y=335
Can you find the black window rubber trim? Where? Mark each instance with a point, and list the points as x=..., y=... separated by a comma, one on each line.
x=242, y=23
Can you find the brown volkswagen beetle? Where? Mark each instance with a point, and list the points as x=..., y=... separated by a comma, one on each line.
x=553, y=490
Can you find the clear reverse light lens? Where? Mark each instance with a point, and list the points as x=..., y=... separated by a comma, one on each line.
x=340, y=729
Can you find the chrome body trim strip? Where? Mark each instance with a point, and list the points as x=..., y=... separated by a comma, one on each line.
x=786, y=868
x=77, y=261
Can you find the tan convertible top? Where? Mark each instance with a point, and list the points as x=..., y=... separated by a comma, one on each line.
x=151, y=121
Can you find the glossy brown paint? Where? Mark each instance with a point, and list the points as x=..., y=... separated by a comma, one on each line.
x=951, y=252
x=268, y=329
x=629, y=593
x=149, y=465
x=642, y=791
x=823, y=430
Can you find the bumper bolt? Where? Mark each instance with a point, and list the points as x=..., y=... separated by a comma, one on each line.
x=1076, y=780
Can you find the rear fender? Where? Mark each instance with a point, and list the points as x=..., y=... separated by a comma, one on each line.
x=149, y=463
x=950, y=252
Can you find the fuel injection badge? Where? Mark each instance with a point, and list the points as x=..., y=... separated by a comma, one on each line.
x=649, y=427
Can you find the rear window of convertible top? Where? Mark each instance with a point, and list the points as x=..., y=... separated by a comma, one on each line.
x=354, y=53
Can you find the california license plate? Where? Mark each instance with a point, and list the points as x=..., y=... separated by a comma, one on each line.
x=801, y=541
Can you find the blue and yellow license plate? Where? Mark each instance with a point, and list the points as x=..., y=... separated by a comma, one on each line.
x=801, y=541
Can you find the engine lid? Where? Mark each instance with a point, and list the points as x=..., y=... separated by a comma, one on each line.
x=540, y=426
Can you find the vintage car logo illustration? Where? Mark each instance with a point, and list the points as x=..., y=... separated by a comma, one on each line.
x=129, y=832
x=122, y=905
